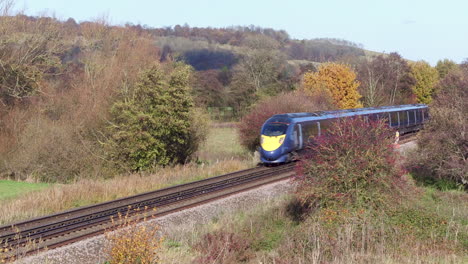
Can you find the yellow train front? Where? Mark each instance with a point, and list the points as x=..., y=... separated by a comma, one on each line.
x=276, y=142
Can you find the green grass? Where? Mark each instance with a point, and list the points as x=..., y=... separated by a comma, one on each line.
x=11, y=189
x=222, y=143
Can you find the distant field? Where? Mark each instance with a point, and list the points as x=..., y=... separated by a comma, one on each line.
x=10, y=189
x=222, y=143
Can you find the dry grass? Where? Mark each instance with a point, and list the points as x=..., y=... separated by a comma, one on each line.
x=85, y=192
x=324, y=237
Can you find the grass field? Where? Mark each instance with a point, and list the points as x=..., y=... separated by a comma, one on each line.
x=222, y=143
x=11, y=189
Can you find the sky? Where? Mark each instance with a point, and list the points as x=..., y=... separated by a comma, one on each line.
x=417, y=29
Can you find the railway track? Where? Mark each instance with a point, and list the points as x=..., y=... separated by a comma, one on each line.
x=23, y=238
x=407, y=138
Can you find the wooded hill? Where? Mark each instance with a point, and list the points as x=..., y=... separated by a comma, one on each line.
x=59, y=81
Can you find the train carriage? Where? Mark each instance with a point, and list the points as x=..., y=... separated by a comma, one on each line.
x=284, y=134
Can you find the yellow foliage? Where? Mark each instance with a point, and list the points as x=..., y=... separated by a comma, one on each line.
x=335, y=80
x=133, y=242
x=426, y=79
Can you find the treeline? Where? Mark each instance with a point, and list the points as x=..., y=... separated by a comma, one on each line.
x=82, y=101
x=60, y=83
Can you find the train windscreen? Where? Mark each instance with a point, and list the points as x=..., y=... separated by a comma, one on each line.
x=274, y=129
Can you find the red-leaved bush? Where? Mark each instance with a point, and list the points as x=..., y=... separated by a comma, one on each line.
x=353, y=164
x=293, y=102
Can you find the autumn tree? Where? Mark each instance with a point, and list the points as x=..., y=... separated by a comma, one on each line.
x=426, y=79
x=337, y=80
x=443, y=143
x=444, y=67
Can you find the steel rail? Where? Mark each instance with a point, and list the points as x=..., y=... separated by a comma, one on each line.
x=96, y=218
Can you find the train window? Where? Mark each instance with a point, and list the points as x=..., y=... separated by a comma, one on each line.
x=325, y=125
x=419, y=116
x=403, y=118
x=426, y=114
x=275, y=129
x=365, y=118
x=374, y=117
x=310, y=130
x=295, y=137
x=385, y=117
x=297, y=134
x=412, y=117
x=393, y=119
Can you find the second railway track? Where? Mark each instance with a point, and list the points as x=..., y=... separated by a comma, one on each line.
x=72, y=225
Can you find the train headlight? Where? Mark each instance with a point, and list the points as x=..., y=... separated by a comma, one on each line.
x=281, y=140
x=261, y=140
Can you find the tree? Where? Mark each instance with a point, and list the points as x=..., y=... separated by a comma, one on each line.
x=17, y=82
x=426, y=78
x=385, y=80
x=444, y=67
x=372, y=84
x=443, y=143
x=338, y=80
x=208, y=89
x=152, y=124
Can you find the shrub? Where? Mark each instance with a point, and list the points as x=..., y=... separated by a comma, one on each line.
x=250, y=125
x=442, y=144
x=133, y=242
x=222, y=247
x=153, y=124
x=17, y=82
x=52, y=152
x=353, y=164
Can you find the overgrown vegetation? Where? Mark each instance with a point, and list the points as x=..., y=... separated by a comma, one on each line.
x=443, y=145
x=352, y=165
x=134, y=241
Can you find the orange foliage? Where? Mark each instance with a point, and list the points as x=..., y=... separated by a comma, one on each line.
x=335, y=80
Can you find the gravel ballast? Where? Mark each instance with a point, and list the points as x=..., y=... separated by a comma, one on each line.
x=91, y=250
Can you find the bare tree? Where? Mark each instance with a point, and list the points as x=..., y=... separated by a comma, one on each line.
x=6, y=7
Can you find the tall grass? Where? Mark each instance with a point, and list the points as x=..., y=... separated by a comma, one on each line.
x=88, y=191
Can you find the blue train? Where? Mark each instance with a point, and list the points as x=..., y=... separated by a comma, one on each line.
x=284, y=134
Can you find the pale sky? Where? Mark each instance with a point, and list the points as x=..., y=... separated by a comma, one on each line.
x=417, y=29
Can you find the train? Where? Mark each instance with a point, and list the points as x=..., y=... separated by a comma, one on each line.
x=285, y=134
